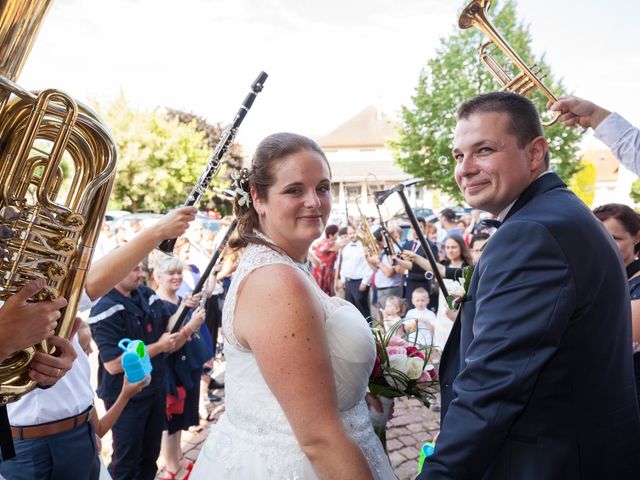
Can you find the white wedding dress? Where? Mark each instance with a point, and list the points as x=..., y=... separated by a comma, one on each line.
x=253, y=439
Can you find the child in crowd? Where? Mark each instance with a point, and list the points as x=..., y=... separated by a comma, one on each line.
x=419, y=323
x=394, y=310
x=102, y=425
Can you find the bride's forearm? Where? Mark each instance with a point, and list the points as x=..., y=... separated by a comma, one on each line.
x=338, y=459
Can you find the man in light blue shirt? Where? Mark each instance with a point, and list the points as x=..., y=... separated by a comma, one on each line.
x=614, y=131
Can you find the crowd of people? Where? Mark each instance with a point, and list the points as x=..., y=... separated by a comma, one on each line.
x=356, y=262
x=550, y=318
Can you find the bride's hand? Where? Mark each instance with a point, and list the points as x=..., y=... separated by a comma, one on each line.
x=375, y=403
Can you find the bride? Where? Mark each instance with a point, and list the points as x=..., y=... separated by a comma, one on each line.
x=297, y=361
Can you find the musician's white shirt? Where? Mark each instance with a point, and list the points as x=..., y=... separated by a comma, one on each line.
x=354, y=264
x=70, y=396
x=622, y=138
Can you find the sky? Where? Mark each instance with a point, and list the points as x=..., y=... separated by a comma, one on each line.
x=327, y=60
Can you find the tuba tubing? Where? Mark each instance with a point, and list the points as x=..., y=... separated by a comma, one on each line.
x=57, y=215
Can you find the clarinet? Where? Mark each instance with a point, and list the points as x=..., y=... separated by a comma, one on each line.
x=215, y=160
x=205, y=275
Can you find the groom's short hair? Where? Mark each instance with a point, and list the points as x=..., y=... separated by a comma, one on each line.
x=524, y=119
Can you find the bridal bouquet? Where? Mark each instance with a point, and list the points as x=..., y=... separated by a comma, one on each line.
x=401, y=369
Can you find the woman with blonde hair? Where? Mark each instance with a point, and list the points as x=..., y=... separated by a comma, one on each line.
x=184, y=366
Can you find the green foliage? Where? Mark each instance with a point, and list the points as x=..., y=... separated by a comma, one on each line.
x=423, y=147
x=583, y=183
x=232, y=160
x=161, y=155
x=635, y=191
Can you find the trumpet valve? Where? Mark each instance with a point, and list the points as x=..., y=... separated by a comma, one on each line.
x=521, y=84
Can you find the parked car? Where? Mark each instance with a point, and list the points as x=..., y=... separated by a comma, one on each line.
x=147, y=219
x=423, y=212
x=111, y=215
x=208, y=223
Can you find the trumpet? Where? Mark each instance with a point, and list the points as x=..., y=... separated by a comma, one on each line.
x=365, y=235
x=475, y=15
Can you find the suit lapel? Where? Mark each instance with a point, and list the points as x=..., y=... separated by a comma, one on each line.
x=546, y=182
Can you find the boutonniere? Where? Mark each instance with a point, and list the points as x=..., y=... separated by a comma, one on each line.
x=458, y=289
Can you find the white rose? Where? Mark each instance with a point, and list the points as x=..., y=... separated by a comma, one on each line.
x=399, y=363
x=454, y=288
x=414, y=367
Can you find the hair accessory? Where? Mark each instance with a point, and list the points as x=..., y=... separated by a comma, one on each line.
x=240, y=182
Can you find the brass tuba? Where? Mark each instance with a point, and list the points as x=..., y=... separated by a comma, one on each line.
x=56, y=171
x=475, y=15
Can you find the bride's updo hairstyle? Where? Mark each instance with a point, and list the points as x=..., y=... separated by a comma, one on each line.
x=261, y=176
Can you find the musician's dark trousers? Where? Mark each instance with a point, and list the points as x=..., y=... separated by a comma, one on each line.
x=359, y=299
x=62, y=456
x=136, y=437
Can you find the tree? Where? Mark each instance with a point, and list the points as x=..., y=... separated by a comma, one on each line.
x=423, y=147
x=635, y=191
x=583, y=182
x=160, y=157
x=231, y=161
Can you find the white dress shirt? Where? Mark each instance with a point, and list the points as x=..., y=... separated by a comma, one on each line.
x=70, y=396
x=354, y=264
x=623, y=139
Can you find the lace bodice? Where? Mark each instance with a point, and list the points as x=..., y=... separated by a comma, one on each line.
x=253, y=257
x=253, y=439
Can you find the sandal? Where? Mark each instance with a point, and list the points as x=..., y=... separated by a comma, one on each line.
x=168, y=475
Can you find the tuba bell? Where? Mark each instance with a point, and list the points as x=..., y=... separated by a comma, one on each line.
x=56, y=172
x=475, y=15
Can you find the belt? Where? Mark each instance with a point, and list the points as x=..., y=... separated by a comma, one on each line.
x=353, y=279
x=387, y=288
x=52, y=428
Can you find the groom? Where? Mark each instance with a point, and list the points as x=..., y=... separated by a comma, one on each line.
x=537, y=376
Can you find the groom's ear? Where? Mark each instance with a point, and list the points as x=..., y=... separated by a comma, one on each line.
x=538, y=148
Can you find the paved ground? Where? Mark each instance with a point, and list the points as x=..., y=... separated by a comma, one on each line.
x=411, y=427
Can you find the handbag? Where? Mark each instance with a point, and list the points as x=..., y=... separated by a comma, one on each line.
x=175, y=404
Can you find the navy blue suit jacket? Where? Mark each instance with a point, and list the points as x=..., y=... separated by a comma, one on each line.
x=537, y=375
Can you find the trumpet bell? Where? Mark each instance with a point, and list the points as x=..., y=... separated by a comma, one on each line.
x=471, y=11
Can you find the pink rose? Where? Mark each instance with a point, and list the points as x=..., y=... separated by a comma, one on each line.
x=397, y=342
x=428, y=375
x=414, y=352
x=396, y=351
